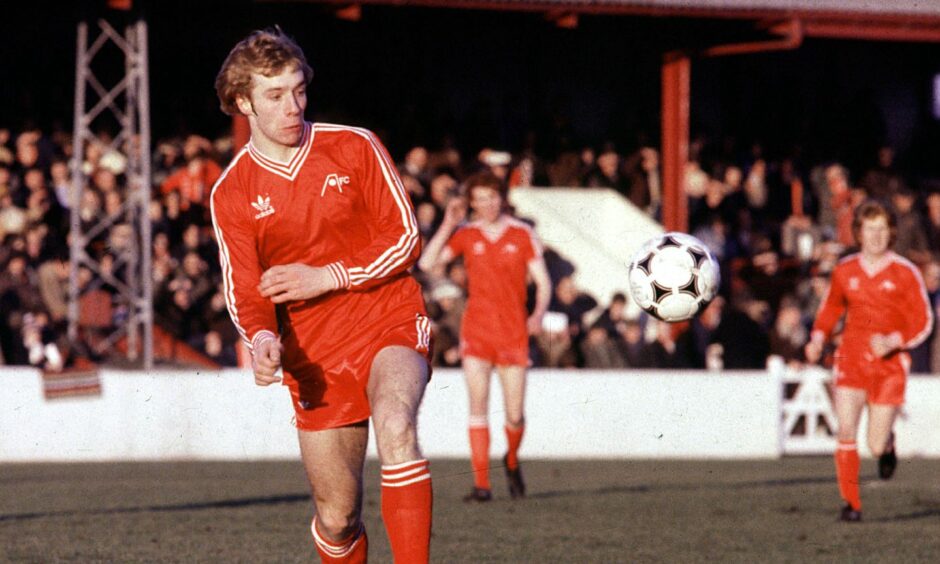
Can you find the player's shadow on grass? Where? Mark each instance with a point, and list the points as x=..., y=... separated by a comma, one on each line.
x=646, y=488
x=925, y=514
x=198, y=506
x=597, y=491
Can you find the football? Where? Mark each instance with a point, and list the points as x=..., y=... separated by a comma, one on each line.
x=673, y=276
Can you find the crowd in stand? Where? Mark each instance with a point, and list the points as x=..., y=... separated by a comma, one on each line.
x=777, y=227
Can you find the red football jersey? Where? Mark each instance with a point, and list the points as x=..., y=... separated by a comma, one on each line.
x=339, y=203
x=892, y=298
x=496, y=275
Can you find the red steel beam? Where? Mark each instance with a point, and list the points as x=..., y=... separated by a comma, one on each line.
x=676, y=73
x=872, y=31
x=793, y=38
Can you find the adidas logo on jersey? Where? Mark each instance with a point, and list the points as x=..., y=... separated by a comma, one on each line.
x=334, y=181
x=263, y=205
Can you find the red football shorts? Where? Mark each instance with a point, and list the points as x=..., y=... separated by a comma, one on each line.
x=884, y=380
x=497, y=347
x=330, y=392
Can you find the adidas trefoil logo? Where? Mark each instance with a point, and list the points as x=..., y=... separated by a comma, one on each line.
x=263, y=205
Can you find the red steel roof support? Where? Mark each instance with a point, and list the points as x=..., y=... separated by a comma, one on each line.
x=676, y=72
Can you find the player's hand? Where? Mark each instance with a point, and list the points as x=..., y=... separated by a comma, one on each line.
x=883, y=345
x=295, y=282
x=266, y=361
x=534, y=324
x=455, y=212
x=813, y=351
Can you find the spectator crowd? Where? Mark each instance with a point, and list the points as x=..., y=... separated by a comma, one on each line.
x=777, y=226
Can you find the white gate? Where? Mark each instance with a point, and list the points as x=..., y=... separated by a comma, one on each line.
x=808, y=422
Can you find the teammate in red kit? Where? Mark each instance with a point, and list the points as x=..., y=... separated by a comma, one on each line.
x=499, y=253
x=316, y=235
x=887, y=312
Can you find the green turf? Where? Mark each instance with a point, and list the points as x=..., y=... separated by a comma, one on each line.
x=577, y=511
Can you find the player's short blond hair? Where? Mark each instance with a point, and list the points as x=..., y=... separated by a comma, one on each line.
x=266, y=52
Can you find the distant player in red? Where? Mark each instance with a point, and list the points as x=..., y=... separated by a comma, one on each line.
x=316, y=235
x=499, y=253
x=887, y=312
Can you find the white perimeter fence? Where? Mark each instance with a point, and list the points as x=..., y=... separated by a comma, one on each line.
x=174, y=415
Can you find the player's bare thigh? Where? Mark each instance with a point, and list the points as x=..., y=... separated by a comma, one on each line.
x=333, y=460
x=397, y=381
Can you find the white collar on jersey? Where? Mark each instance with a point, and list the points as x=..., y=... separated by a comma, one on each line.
x=290, y=168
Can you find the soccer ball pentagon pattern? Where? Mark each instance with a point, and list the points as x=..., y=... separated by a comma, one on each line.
x=673, y=276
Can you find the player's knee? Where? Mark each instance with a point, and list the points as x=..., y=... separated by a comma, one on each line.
x=395, y=426
x=514, y=421
x=336, y=523
x=396, y=437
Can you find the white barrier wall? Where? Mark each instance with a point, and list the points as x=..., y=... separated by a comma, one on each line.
x=918, y=427
x=141, y=416
x=611, y=414
x=571, y=414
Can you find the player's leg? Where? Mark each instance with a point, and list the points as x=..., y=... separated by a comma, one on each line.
x=848, y=403
x=477, y=375
x=396, y=385
x=513, y=380
x=881, y=438
x=886, y=399
x=333, y=461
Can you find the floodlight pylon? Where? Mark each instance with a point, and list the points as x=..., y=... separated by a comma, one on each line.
x=113, y=249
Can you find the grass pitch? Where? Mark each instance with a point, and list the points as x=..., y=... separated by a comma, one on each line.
x=577, y=511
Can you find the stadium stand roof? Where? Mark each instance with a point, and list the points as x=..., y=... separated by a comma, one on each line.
x=896, y=20
x=726, y=8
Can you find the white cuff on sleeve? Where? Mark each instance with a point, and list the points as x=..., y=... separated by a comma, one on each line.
x=340, y=275
x=261, y=336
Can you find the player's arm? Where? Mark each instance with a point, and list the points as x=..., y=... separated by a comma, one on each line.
x=396, y=244
x=252, y=314
x=437, y=252
x=292, y=282
x=831, y=310
x=918, y=318
x=538, y=272
x=919, y=311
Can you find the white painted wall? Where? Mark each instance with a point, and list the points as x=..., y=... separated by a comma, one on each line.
x=611, y=414
x=571, y=414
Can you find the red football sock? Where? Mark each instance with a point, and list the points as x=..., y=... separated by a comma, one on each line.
x=480, y=451
x=847, y=468
x=353, y=550
x=406, y=509
x=513, y=439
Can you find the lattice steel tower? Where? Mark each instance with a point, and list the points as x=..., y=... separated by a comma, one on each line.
x=124, y=233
